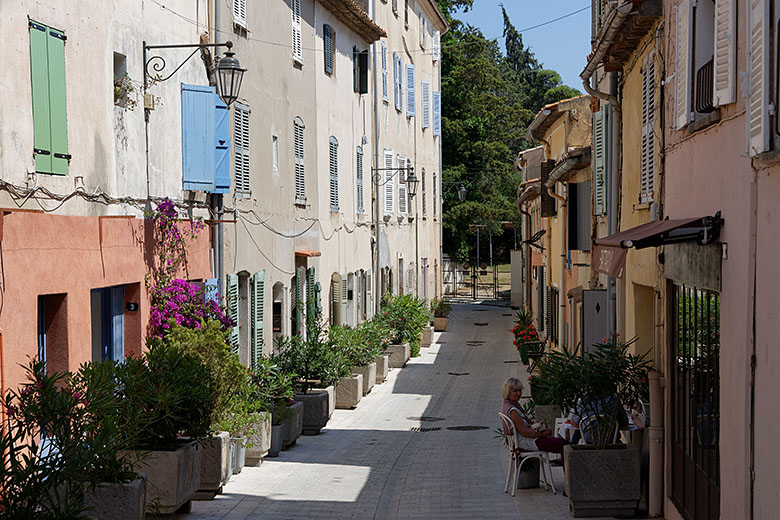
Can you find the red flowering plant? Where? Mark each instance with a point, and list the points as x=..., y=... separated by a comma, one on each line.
x=526, y=337
x=175, y=301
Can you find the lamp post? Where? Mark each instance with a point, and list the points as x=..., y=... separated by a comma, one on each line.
x=412, y=182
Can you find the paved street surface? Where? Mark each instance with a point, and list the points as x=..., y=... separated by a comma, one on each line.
x=368, y=463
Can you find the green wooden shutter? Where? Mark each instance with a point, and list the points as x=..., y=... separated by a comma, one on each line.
x=50, y=125
x=311, y=304
x=369, y=298
x=327, y=36
x=258, y=318
x=294, y=318
x=549, y=206
x=232, y=311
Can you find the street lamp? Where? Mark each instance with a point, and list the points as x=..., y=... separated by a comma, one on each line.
x=412, y=182
x=229, y=71
x=462, y=193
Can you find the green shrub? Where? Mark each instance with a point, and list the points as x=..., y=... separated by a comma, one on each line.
x=272, y=390
x=405, y=316
x=357, y=345
x=440, y=308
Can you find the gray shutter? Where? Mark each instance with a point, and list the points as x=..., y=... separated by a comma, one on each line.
x=239, y=13
x=241, y=156
x=334, y=173
x=648, y=129
x=759, y=71
x=402, y=196
x=424, y=201
x=411, y=101
x=384, y=71
x=684, y=46
x=436, y=45
x=584, y=215
x=389, y=184
x=437, y=113
x=296, y=31
x=359, y=179
x=549, y=206
x=327, y=47
x=600, y=126
x=426, y=104
x=725, y=59
x=300, y=175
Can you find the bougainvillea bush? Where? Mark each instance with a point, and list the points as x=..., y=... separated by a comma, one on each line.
x=183, y=303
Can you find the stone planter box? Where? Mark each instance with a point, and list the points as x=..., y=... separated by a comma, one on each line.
x=602, y=482
x=547, y=414
x=172, y=477
x=123, y=501
x=331, y=398
x=277, y=440
x=349, y=392
x=215, y=465
x=427, y=337
x=259, y=443
x=293, y=425
x=369, y=376
x=399, y=355
x=382, y=368
x=315, y=411
x=440, y=324
x=237, y=454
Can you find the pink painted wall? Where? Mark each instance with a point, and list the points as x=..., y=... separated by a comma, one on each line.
x=48, y=254
x=705, y=172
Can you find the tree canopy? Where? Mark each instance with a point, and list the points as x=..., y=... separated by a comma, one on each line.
x=489, y=98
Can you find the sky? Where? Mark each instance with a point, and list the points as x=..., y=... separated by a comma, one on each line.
x=562, y=46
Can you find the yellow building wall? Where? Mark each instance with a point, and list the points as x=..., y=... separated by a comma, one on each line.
x=642, y=275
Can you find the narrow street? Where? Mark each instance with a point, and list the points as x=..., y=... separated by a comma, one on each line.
x=369, y=463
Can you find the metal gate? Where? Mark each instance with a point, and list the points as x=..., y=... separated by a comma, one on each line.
x=478, y=282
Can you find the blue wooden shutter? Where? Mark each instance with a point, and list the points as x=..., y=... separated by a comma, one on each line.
x=327, y=37
x=384, y=71
x=222, y=146
x=411, y=102
x=334, y=174
x=437, y=113
x=232, y=311
x=425, y=105
x=258, y=318
x=197, y=133
x=396, y=91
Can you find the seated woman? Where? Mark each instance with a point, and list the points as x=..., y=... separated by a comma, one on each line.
x=527, y=439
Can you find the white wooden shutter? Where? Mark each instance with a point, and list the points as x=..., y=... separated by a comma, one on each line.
x=402, y=196
x=241, y=161
x=758, y=70
x=334, y=173
x=300, y=174
x=389, y=184
x=369, y=297
x=411, y=102
x=258, y=318
x=426, y=104
x=343, y=300
x=600, y=122
x=683, y=67
x=359, y=178
x=648, y=129
x=437, y=113
x=725, y=59
x=297, y=51
x=384, y=71
x=436, y=45
x=239, y=13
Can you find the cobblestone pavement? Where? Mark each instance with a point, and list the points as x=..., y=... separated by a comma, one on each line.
x=368, y=464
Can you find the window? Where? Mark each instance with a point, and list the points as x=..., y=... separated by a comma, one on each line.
x=648, y=129
x=53, y=331
x=205, y=140
x=426, y=104
x=389, y=184
x=705, y=46
x=334, y=173
x=422, y=181
x=402, y=196
x=384, y=72
x=411, y=102
x=297, y=51
x=275, y=152
x=359, y=178
x=241, y=149
x=437, y=114
x=50, y=125
x=398, y=82
x=435, y=197
x=239, y=13
x=329, y=44
x=108, y=323
x=300, y=175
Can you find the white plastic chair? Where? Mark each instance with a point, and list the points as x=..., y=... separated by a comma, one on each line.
x=517, y=457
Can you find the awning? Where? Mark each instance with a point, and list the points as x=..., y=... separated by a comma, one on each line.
x=308, y=253
x=609, y=255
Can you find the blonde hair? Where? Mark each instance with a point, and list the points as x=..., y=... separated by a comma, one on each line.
x=511, y=384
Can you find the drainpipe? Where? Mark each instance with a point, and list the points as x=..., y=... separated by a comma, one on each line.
x=377, y=234
x=217, y=199
x=562, y=295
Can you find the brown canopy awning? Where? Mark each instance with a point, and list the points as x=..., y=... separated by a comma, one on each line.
x=609, y=255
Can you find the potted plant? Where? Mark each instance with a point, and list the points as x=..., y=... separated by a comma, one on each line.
x=272, y=393
x=441, y=311
x=405, y=317
x=601, y=477
x=73, y=470
x=375, y=336
x=313, y=362
x=526, y=338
